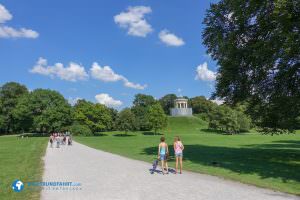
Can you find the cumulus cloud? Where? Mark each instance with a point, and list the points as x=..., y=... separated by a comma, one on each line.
x=134, y=21
x=134, y=85
x=73, y=72
x=73, y=101
x=10, y=32
x=4, y=14
x=107, y=100
x=218, y=101
x=170, y=39
x=106, y=74
x=204, y=74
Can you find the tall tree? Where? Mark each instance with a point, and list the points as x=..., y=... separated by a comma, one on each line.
x=201, y=105
x=141, y=104
x=157, y=117
x=256, y=45
x=114, y=117
x=9, y=95
x=42, y=110
x=96, y=116
x=126, y=121
x=167, y=102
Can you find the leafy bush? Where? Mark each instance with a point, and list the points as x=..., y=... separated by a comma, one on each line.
x=244, y=122
x=228, y=120
x=80, y=130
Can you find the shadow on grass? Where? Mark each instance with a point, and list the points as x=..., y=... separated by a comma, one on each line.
x=280, y=144
x=123, y=135
x=207, y=130
x=100, y=134
x=151, y=133
x=269, y=162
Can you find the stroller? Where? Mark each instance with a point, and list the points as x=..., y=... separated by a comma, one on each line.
x=154, y=166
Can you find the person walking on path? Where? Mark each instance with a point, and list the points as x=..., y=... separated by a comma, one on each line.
x=178, y=151
x=51, y=140
x=163, y=152
x=57, y=141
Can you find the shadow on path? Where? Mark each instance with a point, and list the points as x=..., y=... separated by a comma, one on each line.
x=171, y=171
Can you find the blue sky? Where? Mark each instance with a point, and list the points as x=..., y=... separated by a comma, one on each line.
x=151, y=47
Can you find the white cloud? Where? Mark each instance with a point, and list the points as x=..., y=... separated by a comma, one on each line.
x=204, y=74
x=107, y=100
x=134, y=20
x=4, y=14
x=134, y=85
x=170, y=39
x=73, y=72
x=9, y=32
x=73, y=101
x=218, y=101
x=106, y=74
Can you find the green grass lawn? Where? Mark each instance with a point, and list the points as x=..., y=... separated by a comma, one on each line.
x=20, y=159
x=262, y=160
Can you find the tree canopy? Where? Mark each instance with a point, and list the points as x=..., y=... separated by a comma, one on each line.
x=126, y=121
x=141, y=104
x=143, y=100
x=96, y=116
x=256, y=45
x=43, y=110
x=9, y=95
x=167, y=102
x=228, y=120
x=201, y=105
x=157, y=117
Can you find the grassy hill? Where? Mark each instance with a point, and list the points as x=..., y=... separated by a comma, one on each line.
x=186, y=125
x=262, y=160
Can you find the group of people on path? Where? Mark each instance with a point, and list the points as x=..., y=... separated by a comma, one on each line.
x=163, y=154
x=60, y=139
x=163, y=150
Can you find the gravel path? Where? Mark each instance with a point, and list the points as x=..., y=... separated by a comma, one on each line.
x=110, y=177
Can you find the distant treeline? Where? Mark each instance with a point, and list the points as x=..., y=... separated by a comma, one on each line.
x=44, y=111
